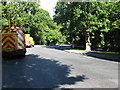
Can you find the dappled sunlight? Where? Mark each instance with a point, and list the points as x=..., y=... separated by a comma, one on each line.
x=37, y=72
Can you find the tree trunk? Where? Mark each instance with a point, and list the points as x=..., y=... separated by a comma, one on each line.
x=73, y=46
x=88, y=48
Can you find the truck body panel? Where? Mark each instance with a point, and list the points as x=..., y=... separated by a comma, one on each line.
x=13, y=41
x=9, y=42
x=29, y=40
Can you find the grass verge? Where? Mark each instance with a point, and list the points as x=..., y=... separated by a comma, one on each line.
x=40, y=45
x=100, y=52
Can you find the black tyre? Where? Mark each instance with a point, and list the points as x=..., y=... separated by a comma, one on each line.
x=23, y=55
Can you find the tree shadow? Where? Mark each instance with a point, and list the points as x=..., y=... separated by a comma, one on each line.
x=62, y=47
x=34, y=71
x=91, y=54
x=103, y=56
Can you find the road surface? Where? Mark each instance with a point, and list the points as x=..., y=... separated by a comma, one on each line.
x=50, y=68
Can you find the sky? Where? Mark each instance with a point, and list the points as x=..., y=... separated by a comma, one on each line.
x=48, y=5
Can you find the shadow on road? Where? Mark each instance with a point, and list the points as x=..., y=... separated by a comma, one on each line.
x=92, y=54
x=62, y=47
x=34, y=71
x=104, y=56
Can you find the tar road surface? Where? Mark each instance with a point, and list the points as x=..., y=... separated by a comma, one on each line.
x=45, y=67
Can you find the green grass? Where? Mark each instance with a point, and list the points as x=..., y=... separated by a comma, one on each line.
x=100, y=52
x=40, y=45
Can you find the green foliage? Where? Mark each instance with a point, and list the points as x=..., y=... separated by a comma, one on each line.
x=34, y=20
x=100, y=19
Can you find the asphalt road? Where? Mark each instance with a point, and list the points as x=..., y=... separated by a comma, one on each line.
x=50, y=68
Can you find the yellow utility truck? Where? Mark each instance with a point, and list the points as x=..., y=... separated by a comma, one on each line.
x=13, y=41
x=29, y=40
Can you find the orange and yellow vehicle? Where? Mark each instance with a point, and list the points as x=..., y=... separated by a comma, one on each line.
x=29, y=40
x=13, y=41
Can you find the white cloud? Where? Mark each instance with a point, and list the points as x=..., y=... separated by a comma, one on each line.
x=48, y=5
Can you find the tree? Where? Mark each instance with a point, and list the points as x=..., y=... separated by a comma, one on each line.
x=34, y=20
x=97, y=20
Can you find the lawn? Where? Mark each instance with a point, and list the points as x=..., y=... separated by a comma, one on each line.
x=100, y=52
x=40, y=45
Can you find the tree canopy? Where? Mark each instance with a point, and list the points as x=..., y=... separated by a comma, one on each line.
x=100, y=21
x=34, y=20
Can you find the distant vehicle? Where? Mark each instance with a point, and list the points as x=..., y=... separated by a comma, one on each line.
x=29, y=40
x=13, y=41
